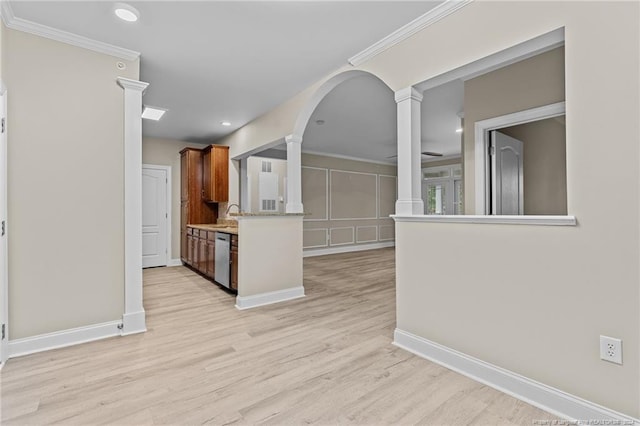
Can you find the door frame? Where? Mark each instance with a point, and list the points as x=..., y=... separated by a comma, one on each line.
x=168, y=170
x=481, y=148
x=4, y=245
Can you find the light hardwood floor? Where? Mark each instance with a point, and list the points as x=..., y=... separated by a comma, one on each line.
x=324, y=359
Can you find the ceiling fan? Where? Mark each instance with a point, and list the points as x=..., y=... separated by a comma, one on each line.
x=427, y=153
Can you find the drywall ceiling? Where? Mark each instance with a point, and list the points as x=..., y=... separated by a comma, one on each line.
x=359, y=120
x=441, y=109
x=356, y=119
x=234, y=60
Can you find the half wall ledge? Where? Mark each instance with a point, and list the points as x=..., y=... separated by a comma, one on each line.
x=541, y=220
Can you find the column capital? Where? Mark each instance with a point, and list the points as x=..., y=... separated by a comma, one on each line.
x=293, y=139
x=127, y=83
x=408, y=93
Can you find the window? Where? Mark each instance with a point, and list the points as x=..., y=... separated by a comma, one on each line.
x=442, y=190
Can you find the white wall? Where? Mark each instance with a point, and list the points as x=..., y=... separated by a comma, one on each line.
x=557, y=287
x=66, y=185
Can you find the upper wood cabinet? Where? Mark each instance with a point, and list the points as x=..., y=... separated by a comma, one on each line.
x=215, y=174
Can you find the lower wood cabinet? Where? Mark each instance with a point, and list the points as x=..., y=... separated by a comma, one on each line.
x=211, y=255
x=201, y=254
x=234, y=262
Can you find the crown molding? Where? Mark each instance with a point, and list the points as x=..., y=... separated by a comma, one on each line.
x=431, y=17
x=19, y=24
x=408, y=93
x=127, y=83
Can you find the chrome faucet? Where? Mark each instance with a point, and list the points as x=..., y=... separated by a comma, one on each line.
x=229, y=208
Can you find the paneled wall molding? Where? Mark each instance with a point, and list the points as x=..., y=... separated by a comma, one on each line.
x=294, y=174
x=325, y=237
x=326, y=196
x=409, y=145
x=359, y=240
x=333, y=216
x=19, y=24
x=134, y=315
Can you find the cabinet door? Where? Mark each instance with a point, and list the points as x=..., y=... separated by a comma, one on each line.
x=211, y=258
x=184, y=214
x=206, y=175
x=215, y=179
x=202, y=255
x=184, y=176
x=189, y=249
x=234, y=262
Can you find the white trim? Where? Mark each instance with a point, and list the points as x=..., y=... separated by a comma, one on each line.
x=331, y=218
x=513, y=54
x=61, y=339
x=492, y=219
x=380, y=233
x=19, y=24
x=4, y=215
x=326, y=237
x=348, y=157
x=431, y=17
x=134, y=322
x=366, y=241
x=174, y=262
x=326, y=204
x=133, y=317
x=347, y=249
x=482, y=129
x=167, y=169
x=530, y=391
x=248, y=302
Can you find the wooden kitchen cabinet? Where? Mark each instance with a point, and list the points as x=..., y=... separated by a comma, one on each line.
x=215, y=174
x=211, y=254
x=193, y=209
x=234, y=262
x=202, y=252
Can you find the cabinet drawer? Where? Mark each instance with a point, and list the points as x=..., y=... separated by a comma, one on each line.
x=189, y=231
x=211, y=235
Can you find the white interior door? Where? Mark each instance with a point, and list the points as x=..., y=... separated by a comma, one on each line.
x=154, y=216
x=4, y=274
x=507, y=182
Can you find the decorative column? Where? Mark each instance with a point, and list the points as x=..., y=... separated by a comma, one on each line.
x=294, y=174
x=133, y=319
x=409, y=201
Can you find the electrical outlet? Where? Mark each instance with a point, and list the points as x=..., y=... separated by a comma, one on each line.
x=611, y=349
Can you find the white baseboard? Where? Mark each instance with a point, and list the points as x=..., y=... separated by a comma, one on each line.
x=247, y=302
x=133, y=323
x=552, y=400
x=347, y=249
x=61, y=339
x=174, y=262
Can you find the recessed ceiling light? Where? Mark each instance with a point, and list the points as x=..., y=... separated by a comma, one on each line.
x=225, y=123
x=153, y=113
x=126, y=12
x=459, y=130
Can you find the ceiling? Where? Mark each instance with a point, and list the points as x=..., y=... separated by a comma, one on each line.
x=210, y=61
x=359, y=121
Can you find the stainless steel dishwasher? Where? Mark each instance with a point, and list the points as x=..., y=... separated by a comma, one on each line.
x=223, y=247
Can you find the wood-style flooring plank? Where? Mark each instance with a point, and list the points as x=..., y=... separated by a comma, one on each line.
x=323, y=359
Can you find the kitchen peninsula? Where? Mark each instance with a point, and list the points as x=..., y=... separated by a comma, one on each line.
x=258, y=255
